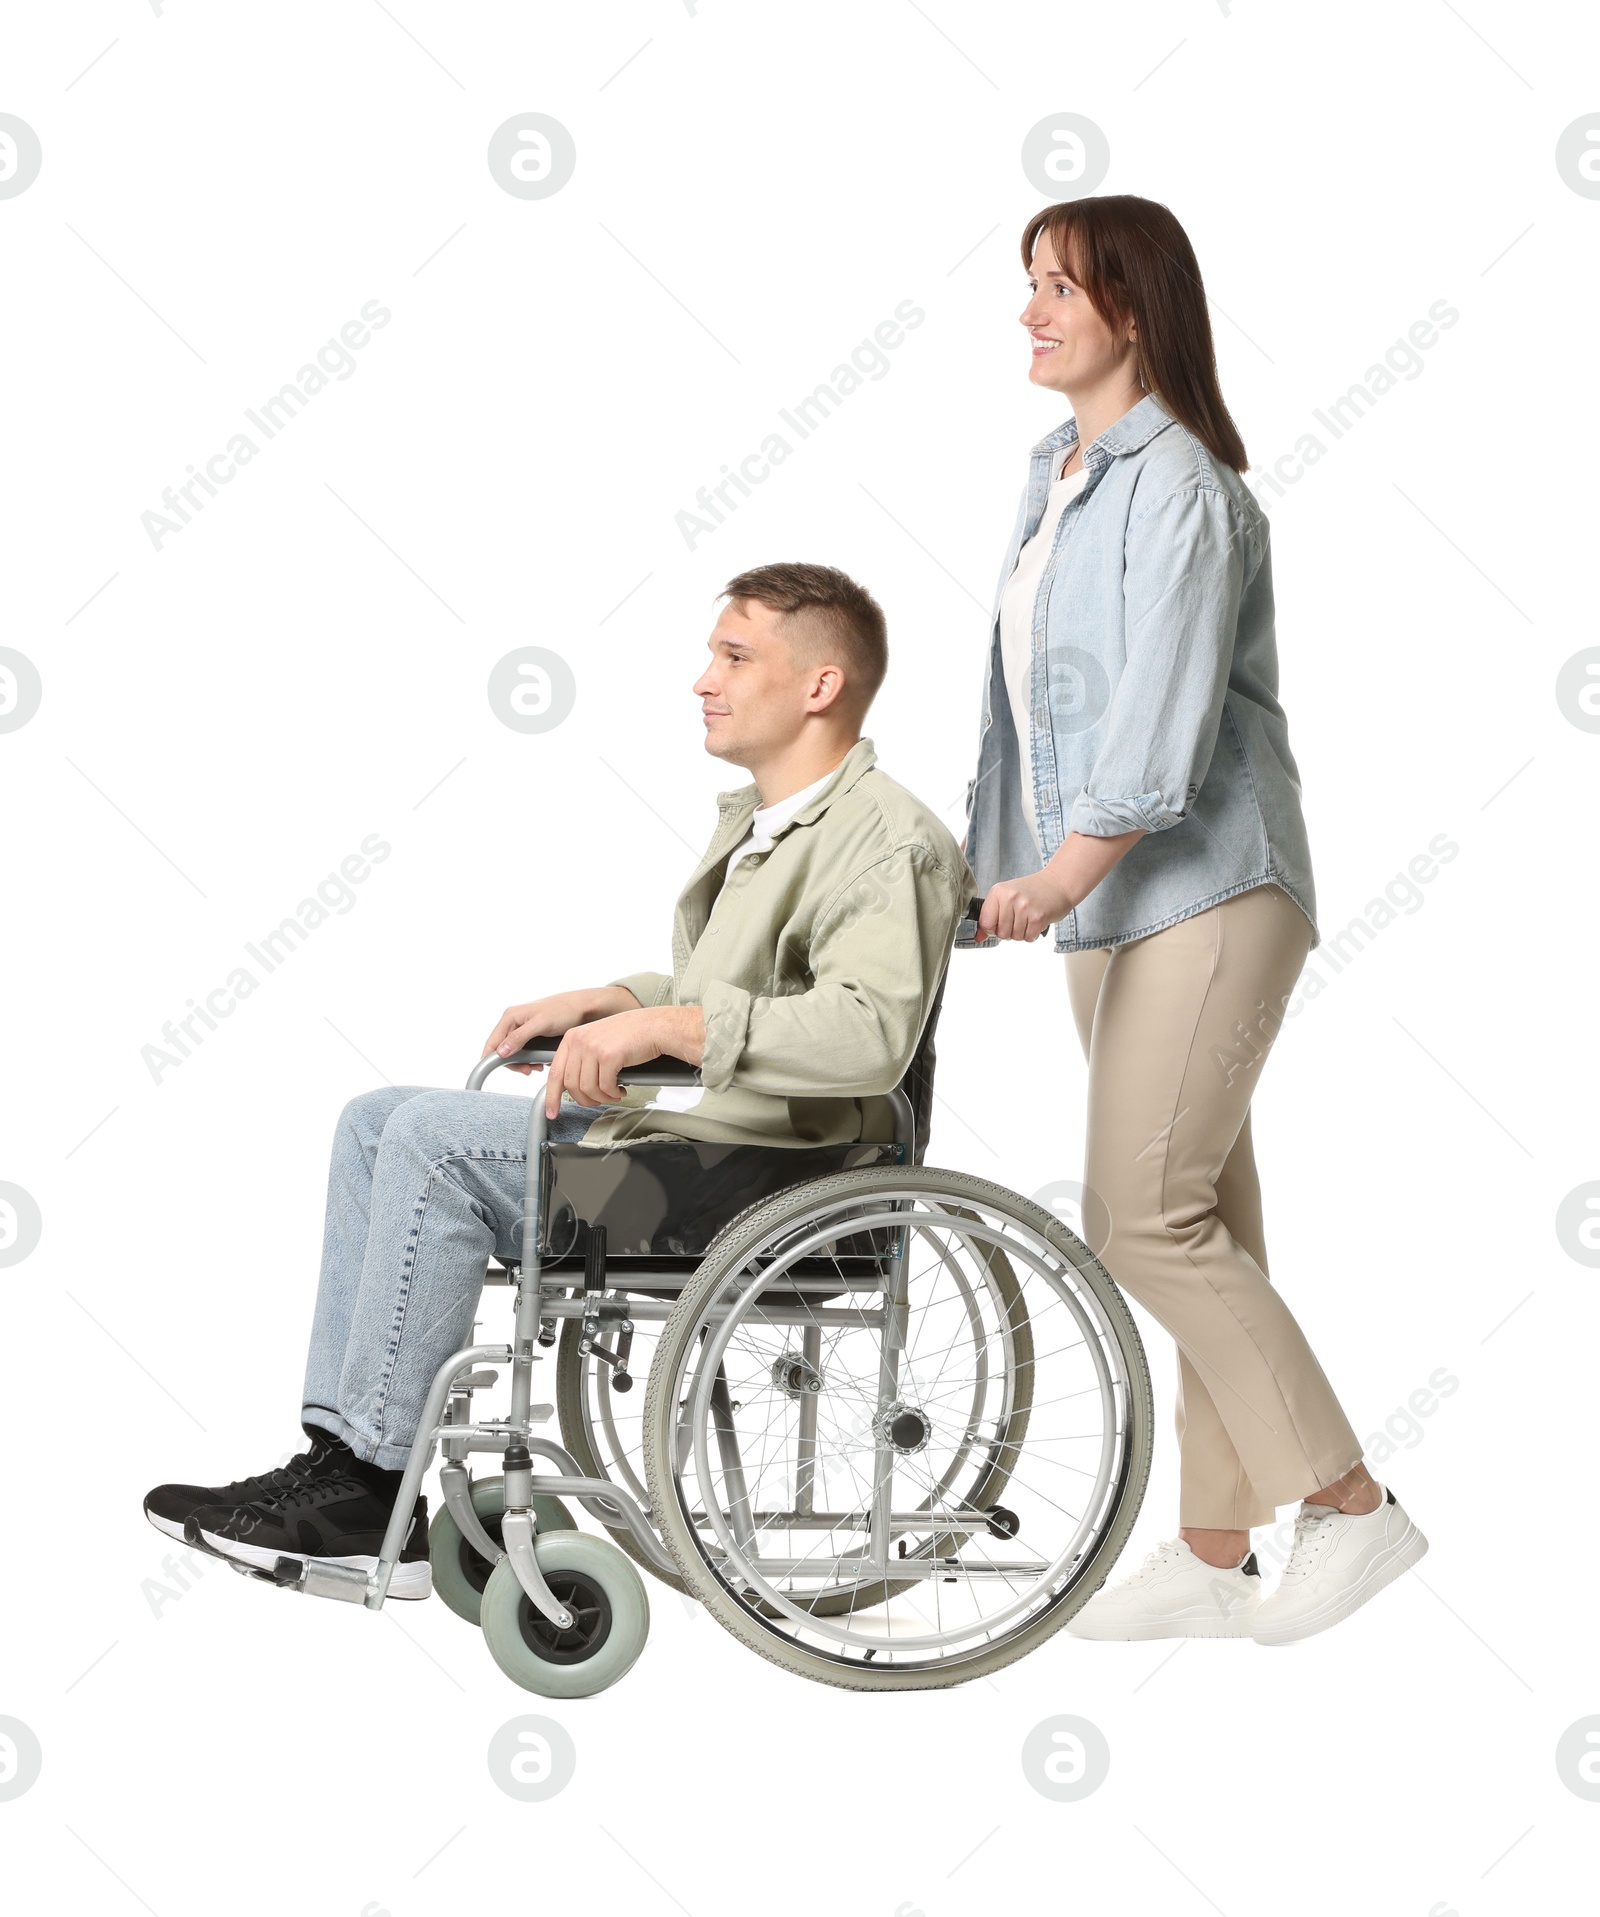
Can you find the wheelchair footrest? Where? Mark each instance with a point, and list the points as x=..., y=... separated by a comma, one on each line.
x=321, y=1579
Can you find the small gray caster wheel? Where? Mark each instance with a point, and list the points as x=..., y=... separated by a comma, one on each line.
x=611, y=1614
x=460, y=1570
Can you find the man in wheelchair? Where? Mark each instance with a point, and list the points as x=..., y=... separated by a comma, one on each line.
x=807, y=950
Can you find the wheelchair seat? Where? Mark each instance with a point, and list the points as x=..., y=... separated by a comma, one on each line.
x=668, y=1198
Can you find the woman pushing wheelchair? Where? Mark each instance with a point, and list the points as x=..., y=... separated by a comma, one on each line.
x=1135, y=789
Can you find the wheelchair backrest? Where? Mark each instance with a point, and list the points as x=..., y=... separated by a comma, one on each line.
x=918, y=1081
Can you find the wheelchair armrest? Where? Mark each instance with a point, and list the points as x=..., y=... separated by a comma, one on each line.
x=662, y=1070
x=539, y=1051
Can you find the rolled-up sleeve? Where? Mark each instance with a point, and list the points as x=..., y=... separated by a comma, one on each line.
x=877, y=953
x=1187, y=562
x=649, y=988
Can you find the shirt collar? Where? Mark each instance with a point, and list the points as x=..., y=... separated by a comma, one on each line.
x=861, y=758
x=1136, y=428
x=770, y=819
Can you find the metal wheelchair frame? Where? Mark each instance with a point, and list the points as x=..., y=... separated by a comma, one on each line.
x=446, y=1417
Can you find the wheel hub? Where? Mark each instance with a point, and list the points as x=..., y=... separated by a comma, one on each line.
x=795, y=1376
x=903, y=1427
x=589, y=1609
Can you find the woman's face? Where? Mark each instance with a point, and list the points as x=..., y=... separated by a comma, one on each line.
x=1073, y=348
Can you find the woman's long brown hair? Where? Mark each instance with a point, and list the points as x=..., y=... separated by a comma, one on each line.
x=1134, y=261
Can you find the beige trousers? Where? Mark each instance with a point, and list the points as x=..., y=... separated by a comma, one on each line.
x=1176, y=1027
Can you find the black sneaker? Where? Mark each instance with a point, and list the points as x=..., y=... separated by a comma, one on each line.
x=336, y=1519
x=170, y=1506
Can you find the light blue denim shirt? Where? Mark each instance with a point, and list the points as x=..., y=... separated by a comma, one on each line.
x=1154, y=691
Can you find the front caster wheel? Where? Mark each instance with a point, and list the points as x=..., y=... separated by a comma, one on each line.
x=460, y=1570
x=611, y=1618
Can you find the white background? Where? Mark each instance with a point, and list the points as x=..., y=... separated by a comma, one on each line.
x=225, y=719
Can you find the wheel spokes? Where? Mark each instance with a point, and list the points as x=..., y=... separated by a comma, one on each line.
x=917, y=1475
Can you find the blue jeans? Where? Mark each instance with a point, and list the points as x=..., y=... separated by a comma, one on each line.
x=422, y=1186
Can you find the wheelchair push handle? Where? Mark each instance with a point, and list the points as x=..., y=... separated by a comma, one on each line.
x=664, y=1070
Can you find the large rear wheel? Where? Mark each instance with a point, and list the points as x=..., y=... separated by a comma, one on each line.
x=910, y=1465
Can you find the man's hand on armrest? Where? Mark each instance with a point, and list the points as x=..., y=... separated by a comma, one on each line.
x=546, y=1017
x=591, y=1054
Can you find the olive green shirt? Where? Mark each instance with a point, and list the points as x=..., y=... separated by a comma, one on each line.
x=814, y=966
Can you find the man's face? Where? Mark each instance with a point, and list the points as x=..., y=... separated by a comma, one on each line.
x=755, y=695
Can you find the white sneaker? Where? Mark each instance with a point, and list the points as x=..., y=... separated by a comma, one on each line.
x=1174, y=1594
x=1337, y=1562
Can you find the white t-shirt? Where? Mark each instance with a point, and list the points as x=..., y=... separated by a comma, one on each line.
x=1016, y=628
x=768, y=820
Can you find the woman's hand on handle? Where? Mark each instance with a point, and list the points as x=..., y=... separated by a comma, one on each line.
x=1023, y=908
x=550, y=1017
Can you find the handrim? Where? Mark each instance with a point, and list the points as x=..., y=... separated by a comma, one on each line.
x=1061, y=1264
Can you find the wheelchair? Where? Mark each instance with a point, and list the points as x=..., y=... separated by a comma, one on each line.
x=894, y=1430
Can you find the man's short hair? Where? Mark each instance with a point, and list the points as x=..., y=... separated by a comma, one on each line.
x=845, y=617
